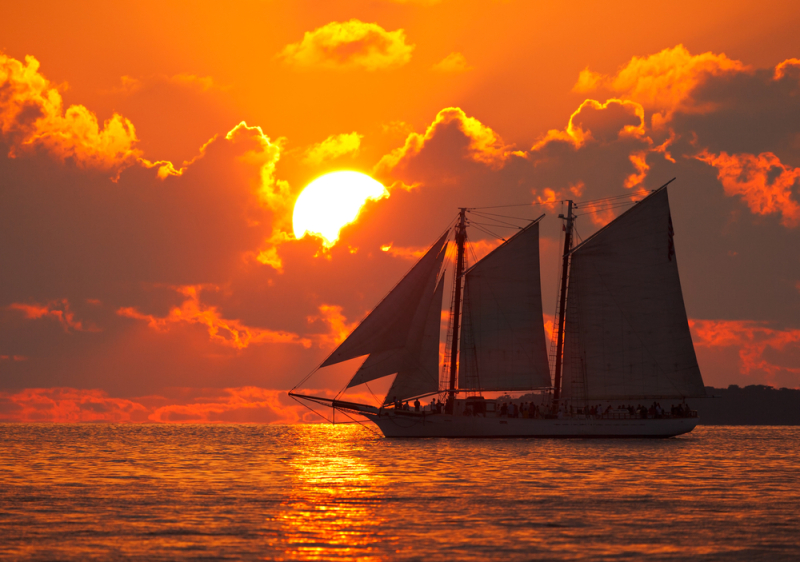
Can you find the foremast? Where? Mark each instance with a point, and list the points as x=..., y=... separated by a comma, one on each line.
x=562, y=305
x=460, y=237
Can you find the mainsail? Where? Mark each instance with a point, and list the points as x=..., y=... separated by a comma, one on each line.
x=502, y=338
x=627, y=335
x=388, y=326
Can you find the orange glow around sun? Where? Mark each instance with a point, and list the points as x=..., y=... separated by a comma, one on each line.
x=332, y=201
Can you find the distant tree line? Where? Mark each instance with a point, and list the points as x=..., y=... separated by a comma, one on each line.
x=755, y=404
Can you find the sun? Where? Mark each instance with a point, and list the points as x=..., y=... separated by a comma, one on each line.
x=332, y=201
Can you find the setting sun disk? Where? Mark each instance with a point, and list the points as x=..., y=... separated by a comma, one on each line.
x=332, y=201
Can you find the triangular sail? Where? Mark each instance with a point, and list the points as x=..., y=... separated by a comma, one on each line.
x=627, y=335
x=421, y=373
x=502, y=340
x=383, y=363
x=387, y=326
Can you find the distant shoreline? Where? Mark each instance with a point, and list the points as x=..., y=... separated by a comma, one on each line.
x=749, y=405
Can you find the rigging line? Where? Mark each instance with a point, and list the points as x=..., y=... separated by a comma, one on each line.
x=310, y=408
x=593, y=210
x=352, y=420
x=610, y=198
x=590, y=210
x=490, y=233
x=504, y=206
x=377, y=401
x=609, y=204
x=575, y=228
x=500, y=222
x=497, y=225
x=495, y=216
x=502, y=216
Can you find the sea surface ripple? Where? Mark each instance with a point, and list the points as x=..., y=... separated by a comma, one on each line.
x=322, y=492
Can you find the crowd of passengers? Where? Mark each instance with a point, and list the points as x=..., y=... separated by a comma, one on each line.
x=529, y=410
x=653, y=412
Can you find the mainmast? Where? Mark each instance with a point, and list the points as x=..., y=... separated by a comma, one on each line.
x=461, y=236
x=562, y=305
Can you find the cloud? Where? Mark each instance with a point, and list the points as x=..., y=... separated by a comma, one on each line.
x=231, y=333
x=482, y=144
x=600, y=122
x=413, y=253
x=333, y=147
x=68, y=405
x=338, y=328
x=787, y=67
x=204, y=83
x=131, y=85
x=274, y=194
x=246, y=404
x=762, y=181
x=349, y=45
x=32, y=115
x=662, y=82
x=58, y=309
x=764, y=352
x=452, y=63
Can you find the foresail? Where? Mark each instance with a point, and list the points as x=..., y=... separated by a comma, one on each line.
x=388, y=325
x=383, y=363
x=502, y=339
x=421, y=374
x=627, y=335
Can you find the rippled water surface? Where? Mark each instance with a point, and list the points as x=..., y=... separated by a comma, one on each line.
x=341, y=493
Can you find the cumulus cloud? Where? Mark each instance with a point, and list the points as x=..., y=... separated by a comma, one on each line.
x=601, y=122
x=275, y=194
x=231, y=333
x=32, y=115
x=762, y=181
x=333, y=147
x=349, y=45
x=453, y=63
x=662, y=82
x=482, y=144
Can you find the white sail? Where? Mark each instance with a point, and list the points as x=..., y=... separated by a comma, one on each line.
x=388, y=325
x=627, y=336
x=420, y=375
x=502, y=338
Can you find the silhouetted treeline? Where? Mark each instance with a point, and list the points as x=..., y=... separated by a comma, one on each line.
x=752, y=405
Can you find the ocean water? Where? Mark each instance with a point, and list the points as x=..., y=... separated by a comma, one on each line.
x=191, y=492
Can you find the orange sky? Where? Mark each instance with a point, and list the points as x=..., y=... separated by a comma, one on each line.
x=151, y=153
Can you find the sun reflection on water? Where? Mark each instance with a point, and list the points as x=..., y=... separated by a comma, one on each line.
x=159, y=492
x=333, y=508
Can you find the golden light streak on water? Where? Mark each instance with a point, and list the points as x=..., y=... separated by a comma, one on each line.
x=168, y=492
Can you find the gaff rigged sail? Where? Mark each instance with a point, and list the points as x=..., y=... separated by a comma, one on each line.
x=626, y=334
x=502, y=340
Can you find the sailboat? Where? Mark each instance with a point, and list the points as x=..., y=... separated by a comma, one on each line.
x=621, y=344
